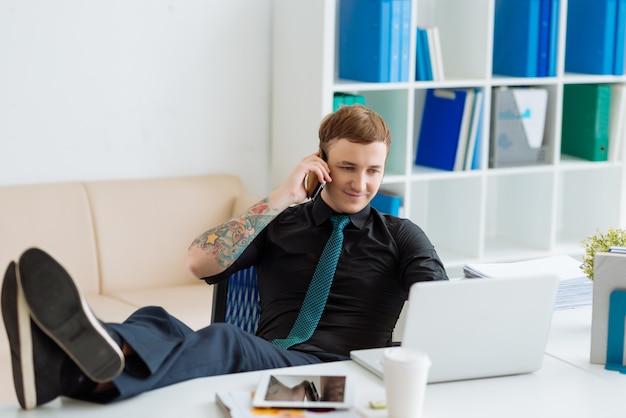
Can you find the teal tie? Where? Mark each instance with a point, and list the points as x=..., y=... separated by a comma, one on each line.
x=319, y=288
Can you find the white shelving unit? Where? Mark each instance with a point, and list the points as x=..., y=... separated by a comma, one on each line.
x=484, y=215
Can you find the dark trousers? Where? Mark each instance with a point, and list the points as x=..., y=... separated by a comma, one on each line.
x=168, y=351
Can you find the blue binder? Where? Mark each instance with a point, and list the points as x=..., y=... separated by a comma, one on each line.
x=364, y=40
x=544, y=38
x=590, y=41
x=440, y=128
x=516, y=38
x=405, y=39
x=386, y=202
x=620, y=35
x=554, y=37
x=394, y=40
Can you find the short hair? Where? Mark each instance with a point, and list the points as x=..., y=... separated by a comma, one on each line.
x=356, y=123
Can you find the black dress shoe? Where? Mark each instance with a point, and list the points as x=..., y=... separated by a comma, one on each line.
x=59, y=310
x=35, y=359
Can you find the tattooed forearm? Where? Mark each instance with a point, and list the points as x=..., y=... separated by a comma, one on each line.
x=227, y=241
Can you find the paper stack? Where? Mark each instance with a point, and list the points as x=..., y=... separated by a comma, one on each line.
x=574, y=291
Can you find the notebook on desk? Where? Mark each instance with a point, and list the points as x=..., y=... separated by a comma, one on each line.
x=475, y=328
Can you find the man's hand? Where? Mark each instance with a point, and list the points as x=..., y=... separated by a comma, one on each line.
x=293, y=190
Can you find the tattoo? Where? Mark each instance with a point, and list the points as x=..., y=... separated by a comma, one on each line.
x=227, y=241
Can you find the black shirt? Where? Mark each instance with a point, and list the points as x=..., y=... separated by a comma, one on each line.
x=382, y=257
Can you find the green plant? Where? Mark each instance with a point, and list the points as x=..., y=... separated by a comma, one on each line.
x=600, y=242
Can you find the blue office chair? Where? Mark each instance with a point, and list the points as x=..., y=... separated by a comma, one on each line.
x=236, y=300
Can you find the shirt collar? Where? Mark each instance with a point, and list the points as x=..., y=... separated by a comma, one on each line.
x=321, y=213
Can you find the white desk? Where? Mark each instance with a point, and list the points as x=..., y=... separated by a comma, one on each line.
x=566, y=386
x=570, y=341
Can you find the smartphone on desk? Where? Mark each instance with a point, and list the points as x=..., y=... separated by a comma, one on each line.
x=313, y=185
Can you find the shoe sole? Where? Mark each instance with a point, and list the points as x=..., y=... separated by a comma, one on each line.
x=19, y=335
x=58, y=308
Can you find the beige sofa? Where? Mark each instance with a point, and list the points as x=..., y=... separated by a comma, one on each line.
x=123, y=241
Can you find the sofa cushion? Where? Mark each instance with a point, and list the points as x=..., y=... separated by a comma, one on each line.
x=143, y=227
x=190, y=303
x=55, y=218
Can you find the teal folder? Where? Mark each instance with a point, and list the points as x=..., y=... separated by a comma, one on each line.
x=585, y=123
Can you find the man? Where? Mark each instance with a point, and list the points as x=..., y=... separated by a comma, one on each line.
x=309, y=313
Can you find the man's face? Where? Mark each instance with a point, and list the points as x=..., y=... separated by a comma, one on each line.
x=357, y=171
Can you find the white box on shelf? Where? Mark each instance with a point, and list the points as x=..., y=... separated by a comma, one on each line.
x=609, y=273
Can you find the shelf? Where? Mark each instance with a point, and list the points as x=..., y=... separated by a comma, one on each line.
x=481, y=215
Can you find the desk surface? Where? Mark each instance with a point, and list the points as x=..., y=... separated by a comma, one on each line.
x=566, y=386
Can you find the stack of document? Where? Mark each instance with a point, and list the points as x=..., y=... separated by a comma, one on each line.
x=574, y=291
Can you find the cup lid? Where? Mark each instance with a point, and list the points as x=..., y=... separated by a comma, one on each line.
x=407, y=357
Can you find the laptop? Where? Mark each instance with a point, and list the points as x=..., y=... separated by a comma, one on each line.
x=476, y=328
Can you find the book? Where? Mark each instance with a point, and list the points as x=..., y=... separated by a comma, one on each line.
x=474, y=132
x=590, y=46
x=434, y=48
x=476, y=158
x=420, y=57
x=516, y=38
x=554, y=37
x=400, y=40
x=238, y=404
x=430, y=41
x=394, y=40
x=620, y=35
x=364, y=40
x=464, y=131
x=425, y=54
x=585, y=122
x=518, y=124
x=438, y=137
x=405, y=39
x=544, y=37
x=388, y=202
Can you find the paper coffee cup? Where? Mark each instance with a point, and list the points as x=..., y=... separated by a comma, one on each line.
x=405, y=378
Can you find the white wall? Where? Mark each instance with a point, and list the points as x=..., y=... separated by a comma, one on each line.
x=104, y=89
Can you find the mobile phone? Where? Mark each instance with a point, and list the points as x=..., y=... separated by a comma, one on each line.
x=312, y=184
